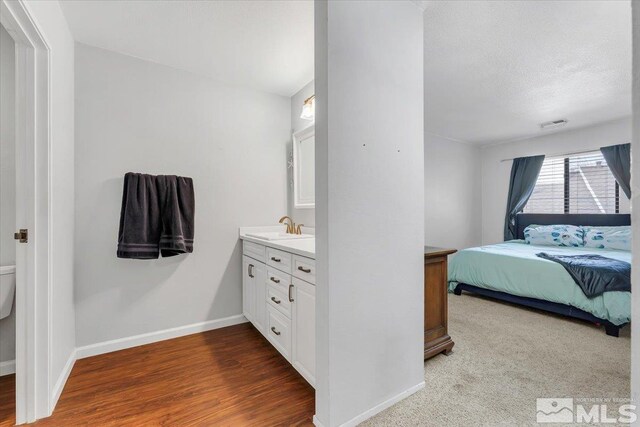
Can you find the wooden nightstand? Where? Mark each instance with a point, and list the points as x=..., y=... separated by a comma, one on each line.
x=436, y=335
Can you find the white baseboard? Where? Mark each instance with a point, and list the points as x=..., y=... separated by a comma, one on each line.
x=62, y=380
x=7, y=368
x=151, y=337
x=376, y=409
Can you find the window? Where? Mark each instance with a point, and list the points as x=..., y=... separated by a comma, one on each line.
x=580, y=183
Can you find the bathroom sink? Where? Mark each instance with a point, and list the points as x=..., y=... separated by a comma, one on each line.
x=277, y=235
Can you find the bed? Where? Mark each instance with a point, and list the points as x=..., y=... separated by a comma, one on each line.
x=512, y=272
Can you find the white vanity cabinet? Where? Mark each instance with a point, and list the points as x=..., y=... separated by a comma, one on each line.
x=278, y=297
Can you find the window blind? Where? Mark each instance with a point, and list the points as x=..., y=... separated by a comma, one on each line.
x=579, y=183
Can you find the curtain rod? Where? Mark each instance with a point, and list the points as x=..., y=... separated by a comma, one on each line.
x=558, y=154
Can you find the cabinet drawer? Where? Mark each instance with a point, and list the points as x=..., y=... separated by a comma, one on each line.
x=278, y=280
x=278, y=300
x=304, y=268
x=253, y=250
x=279, y=332
x=279, y=259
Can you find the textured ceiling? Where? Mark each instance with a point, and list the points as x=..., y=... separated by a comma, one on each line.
x=495, y=70
x=265, y=45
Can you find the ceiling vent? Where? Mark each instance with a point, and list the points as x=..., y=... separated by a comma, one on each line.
x=553, y=125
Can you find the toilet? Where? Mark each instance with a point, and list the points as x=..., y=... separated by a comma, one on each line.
x=7, y=289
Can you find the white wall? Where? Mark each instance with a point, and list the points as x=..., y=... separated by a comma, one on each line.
x=53, y=26
x=7, y=181
x=369, y=206
x=495, y=174
x=452, y=191
x=300, y=216
x=635, y=212
x=134, y=115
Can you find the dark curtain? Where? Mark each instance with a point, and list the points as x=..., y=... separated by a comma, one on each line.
x=524, y=174
x=618, y=158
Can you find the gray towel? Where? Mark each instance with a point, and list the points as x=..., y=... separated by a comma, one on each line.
x=157, y=216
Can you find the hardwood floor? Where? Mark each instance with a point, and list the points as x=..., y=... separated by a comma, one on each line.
x=227, y=377
x=7, y=400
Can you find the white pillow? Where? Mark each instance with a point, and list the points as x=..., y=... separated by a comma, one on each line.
x=554, y=235
x=608, y=237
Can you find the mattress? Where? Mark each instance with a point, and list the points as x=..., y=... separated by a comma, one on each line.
x=513, y=267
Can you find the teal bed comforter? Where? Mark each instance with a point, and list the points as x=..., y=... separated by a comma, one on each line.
x=513, y=267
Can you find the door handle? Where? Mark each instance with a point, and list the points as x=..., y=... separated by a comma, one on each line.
x=273, y=329
x=275, y=259
x=274, y=299
x=273, y=279
x=304, y=270
x=250, y=270
x=290, y=289
x=22, y=235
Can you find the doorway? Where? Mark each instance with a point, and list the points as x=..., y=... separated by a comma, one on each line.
x=491, y=107
x=33, y=391
x=7, y=225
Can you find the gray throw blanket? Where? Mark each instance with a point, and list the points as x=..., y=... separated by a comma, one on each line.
x=594, y=274
x=157, y=216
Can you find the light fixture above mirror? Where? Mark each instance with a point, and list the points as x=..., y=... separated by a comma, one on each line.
x=309, y=108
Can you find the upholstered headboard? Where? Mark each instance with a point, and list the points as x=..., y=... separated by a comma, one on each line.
x=525, y=219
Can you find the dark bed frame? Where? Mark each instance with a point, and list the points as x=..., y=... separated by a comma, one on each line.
x=522, y=221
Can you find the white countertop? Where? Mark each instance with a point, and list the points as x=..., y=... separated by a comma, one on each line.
x=302, y=247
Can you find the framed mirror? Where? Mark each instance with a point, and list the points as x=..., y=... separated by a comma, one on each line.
x=304, y=168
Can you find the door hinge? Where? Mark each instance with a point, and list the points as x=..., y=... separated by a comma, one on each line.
x=22, y=235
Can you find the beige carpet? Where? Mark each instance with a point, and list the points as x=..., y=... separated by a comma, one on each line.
x=504, y=358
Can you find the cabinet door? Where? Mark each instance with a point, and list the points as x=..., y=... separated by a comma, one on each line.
x=248, y=287
x=260, y=312
x=304, y=329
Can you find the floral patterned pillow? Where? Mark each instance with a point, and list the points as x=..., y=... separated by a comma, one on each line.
x=608, y=237
x=554, y=235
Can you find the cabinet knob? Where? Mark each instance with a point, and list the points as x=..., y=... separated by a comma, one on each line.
x=273, y=329
x=304, y=270
x=274, y=259
x=274, y=280
x=276, y=300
